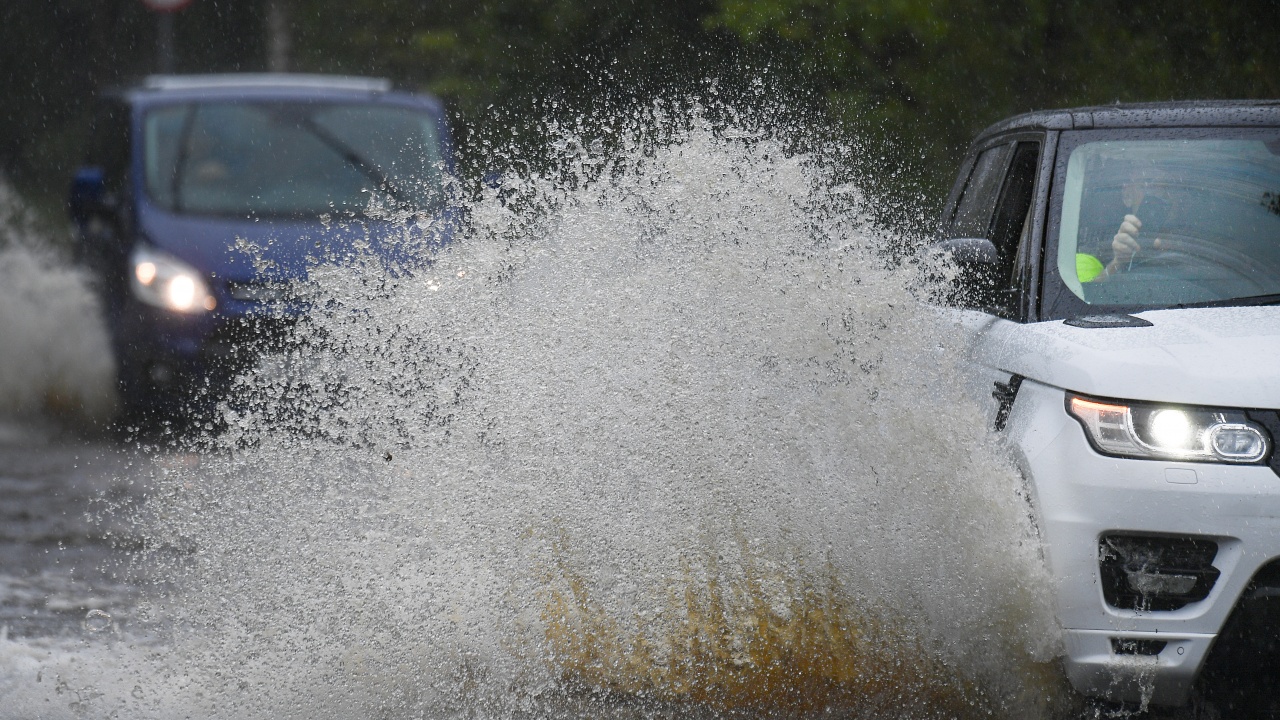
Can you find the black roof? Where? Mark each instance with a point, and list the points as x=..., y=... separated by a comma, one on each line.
x=1191, y=113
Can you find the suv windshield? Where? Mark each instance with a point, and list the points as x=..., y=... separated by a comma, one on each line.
x=291, y=158
x=1161, y=218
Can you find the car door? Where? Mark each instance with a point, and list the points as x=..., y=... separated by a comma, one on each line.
x=998, y=202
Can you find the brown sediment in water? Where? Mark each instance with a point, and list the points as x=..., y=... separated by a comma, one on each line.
x=731, y=651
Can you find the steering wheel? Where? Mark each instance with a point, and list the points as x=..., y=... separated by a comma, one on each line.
x=1229, y=265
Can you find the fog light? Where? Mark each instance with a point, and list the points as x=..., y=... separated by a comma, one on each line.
x=1143, y=572
x=1151, y=583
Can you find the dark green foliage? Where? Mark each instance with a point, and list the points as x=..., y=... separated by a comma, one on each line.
x=931, y=73
x=56, y=54
x=912, y=79
x=504, y=65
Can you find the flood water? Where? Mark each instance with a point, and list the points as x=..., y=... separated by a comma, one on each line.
x=64, y=530
x=663, y=435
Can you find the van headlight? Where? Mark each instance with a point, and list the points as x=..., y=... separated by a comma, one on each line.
x=1169, y=432
x=160, y=279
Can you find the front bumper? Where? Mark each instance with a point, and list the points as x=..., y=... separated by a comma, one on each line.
x=166, y=357
x=1081, y=496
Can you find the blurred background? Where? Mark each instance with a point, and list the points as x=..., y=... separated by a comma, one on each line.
x=911, y=79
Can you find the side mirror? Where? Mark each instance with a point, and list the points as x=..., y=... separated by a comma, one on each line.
x=970, y=252
x=976, y=283
x=88, y=188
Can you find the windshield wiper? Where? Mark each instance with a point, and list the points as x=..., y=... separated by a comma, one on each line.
x=359, y=162
x=1251, y=300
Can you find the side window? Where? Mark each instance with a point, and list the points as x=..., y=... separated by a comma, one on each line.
x=977, y=202
x=1010, y=224
x=996, y=205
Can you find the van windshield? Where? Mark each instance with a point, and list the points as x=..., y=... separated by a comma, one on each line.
x=1151, y=219
x=291, y=158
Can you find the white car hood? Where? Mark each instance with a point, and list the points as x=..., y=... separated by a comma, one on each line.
x=1227, y=357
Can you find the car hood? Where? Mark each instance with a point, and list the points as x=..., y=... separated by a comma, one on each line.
x=1205, y=356
x=239, y=249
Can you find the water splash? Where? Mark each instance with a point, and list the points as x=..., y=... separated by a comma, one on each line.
x=662, y=435
x=96, y=621
x=54, y=354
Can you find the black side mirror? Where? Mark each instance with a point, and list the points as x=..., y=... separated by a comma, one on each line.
x=970, y=253
x=88, y=189
x=976, y=282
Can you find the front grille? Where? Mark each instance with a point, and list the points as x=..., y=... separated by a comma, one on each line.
x=238, y=342
x=261, y=292
x=1144, y=572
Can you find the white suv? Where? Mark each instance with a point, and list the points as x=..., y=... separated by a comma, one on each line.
x=1120, y=270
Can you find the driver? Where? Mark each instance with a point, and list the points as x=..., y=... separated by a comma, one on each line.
x=1125, y=243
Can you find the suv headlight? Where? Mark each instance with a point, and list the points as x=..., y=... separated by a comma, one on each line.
x=160, y=279
x=1169, y=432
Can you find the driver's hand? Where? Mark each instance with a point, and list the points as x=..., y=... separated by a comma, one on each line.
x=1125, y=244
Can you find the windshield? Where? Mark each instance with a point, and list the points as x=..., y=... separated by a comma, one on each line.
x=1151, y=219
x=291, y=158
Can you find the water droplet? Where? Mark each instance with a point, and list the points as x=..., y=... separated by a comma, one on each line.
x=96, y=621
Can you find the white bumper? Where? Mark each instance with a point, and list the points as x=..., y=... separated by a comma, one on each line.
x=1081, y=495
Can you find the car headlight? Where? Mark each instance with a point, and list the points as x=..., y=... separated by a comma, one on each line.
x=1169, y=432
x=160, y=279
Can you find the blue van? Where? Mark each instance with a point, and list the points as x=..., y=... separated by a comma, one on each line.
x=203, y=197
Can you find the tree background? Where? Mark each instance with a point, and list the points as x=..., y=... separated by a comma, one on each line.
x=914, y=79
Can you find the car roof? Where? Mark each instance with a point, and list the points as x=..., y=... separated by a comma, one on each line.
x=1187, y=113
x=168, y=88
x=265, y=80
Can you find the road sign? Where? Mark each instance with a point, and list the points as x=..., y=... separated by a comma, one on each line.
x=165, y=6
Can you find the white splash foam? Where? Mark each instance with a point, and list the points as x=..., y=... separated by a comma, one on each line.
x=645, y=419
x=54, y=353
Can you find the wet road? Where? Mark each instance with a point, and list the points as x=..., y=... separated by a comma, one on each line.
x=70, y=555
x=66, y=546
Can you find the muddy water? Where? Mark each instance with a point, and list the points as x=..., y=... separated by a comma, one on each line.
x=662, y=435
